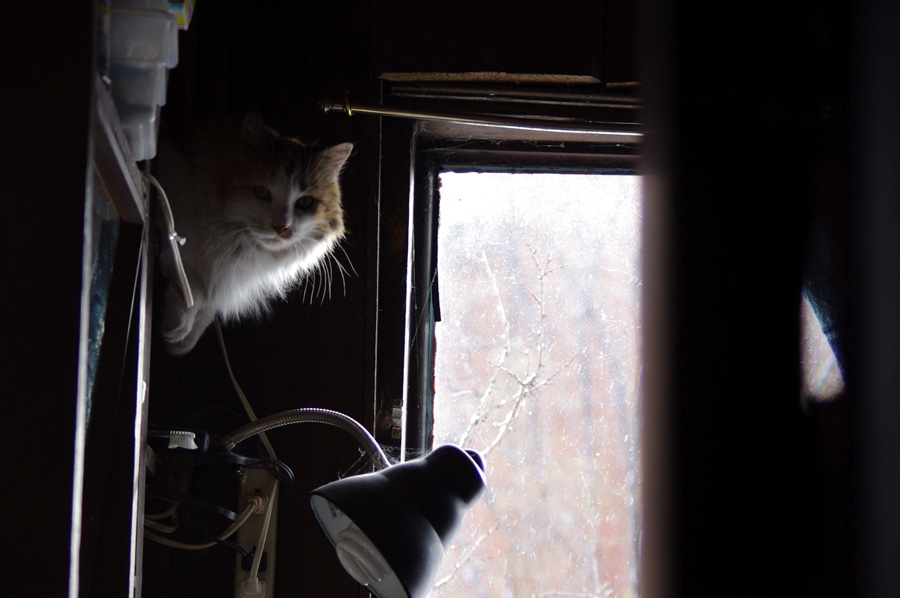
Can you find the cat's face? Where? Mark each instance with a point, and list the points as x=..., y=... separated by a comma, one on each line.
x=286, y=194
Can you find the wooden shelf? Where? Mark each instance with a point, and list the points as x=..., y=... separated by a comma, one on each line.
x=112, y=155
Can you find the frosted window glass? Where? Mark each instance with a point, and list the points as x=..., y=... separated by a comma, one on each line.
x=538, y=367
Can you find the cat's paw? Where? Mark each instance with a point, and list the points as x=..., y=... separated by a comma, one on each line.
x=180, y=347
x=174, y=338
x=182, y=339
x=176, y=324
x=182, y=327
x=177, y=321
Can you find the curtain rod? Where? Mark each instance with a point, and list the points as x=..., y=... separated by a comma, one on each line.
x=475, y=119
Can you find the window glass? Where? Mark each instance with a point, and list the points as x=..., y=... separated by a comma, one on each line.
x=822, y=377
x=538, y=367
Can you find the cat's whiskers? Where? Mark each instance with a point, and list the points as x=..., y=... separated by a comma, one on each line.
x=318, y=281
x=325, y=283
x=305, y=283
x=330, y=275
x=349, y=261
x=343, y=271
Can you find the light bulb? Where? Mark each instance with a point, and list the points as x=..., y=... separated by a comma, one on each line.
x=359, y=556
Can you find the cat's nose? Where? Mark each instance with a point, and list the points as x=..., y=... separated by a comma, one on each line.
x=281, y=230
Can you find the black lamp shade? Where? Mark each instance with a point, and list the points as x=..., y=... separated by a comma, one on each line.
x=410, y=512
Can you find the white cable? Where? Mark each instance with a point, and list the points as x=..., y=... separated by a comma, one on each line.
x=240, y=392
x=253, y=576
x=245, y=515
x=166, y=528
x=163, y=515
x=175, y=240
x=264, y=532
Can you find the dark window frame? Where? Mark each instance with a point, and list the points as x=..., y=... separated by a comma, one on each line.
x=414, y=154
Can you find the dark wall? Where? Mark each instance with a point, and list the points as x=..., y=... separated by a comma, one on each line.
x=45, y=164
x=493, y=37
x=750, y=135
x=730, y=164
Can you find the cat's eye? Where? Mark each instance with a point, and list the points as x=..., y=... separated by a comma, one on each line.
x=262, y=192
x=304, y=202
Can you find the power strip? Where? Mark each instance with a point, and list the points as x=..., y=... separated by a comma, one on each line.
x=256, y=482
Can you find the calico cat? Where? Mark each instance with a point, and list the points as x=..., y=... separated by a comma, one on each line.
x=258, y=211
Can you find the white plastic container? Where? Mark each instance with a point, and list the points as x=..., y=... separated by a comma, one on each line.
x=139, y=83
x=143, y=47
x=162, y=5
x=141, y=127
x=143, y=35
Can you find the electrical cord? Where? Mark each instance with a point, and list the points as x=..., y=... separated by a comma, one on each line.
x=278, y=468
x=159, y=526
x=240, y=391
x=253, y=576
x=188, y=519
x=164, y=514
x=175, y=240
x=229, y=531
x=264, y=532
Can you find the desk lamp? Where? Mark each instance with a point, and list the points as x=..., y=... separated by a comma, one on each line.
x=390, y=528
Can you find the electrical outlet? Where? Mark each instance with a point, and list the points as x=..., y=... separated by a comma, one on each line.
x=257, y=483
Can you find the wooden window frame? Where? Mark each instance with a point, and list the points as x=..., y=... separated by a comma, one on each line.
x=405, y=301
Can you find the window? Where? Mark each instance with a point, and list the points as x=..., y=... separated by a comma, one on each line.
x=537, y=366
x=822, y=377
x=520, y=340
x=406, y=303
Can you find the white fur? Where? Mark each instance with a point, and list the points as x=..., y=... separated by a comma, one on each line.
x=235, y=260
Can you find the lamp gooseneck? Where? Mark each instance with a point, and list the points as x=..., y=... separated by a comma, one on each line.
x=311, y=415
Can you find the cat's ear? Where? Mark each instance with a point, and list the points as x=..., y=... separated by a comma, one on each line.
x=256, y=136
x=331, y=160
